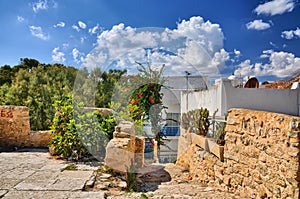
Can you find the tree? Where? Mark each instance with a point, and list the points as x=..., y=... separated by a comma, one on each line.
x=38, y=88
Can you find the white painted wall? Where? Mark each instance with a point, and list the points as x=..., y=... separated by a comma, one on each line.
x=224, y=96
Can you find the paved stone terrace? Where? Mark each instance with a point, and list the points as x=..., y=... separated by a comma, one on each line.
x=38, y=175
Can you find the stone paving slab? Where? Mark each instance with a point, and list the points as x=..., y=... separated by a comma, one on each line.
x=52, y=195
x=38, y=175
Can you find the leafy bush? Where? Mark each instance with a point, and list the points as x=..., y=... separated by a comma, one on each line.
x=65, y=138
x=85, y=137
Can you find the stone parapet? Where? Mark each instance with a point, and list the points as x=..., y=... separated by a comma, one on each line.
x=262, y=152
x=261, y=156
x=15, y=130
x=14, y=126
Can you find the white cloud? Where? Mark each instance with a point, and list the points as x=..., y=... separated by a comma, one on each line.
x=291, y=34
x=58, y=56
x=60, y=24
x=82, y=39
x=275, y=7
x=81, y=25
x=195, y=45
x=258, y=24
x=237, y=53
x=95, y=29
x=77, y=56
x=38, y=32
x=76, y=28
x=280, y=64
x=40, y=5
x=20, y=19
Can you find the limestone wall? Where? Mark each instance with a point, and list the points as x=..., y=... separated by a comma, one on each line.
x=261, y=156
x=15, y=129
x=262, y=151
x=14, y=125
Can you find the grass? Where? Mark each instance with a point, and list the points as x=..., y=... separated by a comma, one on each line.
x=70, y=167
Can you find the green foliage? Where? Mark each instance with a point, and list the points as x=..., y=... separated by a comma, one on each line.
x=37, y=86
x=70, y=167
x=65, y=138
x=144, y=196
x=131, y=178
x=219, y=133
x=197, y=120
x=106, y=87
x=146, y=100
x=107, y=125
x=219, y=130
x=78, y=133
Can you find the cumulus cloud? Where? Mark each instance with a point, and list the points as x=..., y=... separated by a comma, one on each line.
x=275, y=7
x=58, y=56
x=60, y=24
x=280, y=64
x=76, y=28
x=95, y=29
x=258, y=25
x=81, y=25
x=77, y=56
x=20, y=19
x=237, y=53
x=195, y=45
x=40, y=5
x=38, y=32
x=291, y=34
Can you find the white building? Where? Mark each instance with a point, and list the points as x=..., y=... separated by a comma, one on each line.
x=223, y=96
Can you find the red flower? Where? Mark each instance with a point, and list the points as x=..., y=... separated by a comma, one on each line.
x=151, y=100
x=140, y=94
x=136, y=102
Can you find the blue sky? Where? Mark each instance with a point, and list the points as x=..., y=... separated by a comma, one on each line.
x=211, y=37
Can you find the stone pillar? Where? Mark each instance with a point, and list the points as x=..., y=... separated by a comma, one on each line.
x=125, y=149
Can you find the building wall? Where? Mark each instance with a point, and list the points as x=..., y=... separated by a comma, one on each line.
x=175, y=85
x=224, y=96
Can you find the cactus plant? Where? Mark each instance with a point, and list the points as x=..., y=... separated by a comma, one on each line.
x=197, y=119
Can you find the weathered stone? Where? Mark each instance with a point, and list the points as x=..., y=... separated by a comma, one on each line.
x=122, y=151
x=261, y=156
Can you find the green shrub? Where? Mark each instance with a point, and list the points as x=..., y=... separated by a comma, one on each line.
x=77, y=133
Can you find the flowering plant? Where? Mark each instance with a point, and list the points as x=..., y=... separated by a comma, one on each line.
x=147, y=91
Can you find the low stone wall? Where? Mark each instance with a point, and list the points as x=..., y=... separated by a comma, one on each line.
x=125, y=149
x=14, y=126
x=15, y=129
x=261, y=156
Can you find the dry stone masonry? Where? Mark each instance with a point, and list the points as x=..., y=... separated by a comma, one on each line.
x=261, y=156
x=125, y=149
x=15, y=129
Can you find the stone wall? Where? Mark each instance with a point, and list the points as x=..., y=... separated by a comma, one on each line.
x=261, y=156
x=125, y=149
x=15, y=129
x=14, y=126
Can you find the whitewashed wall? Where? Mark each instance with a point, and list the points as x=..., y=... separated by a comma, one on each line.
x=224, y=96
